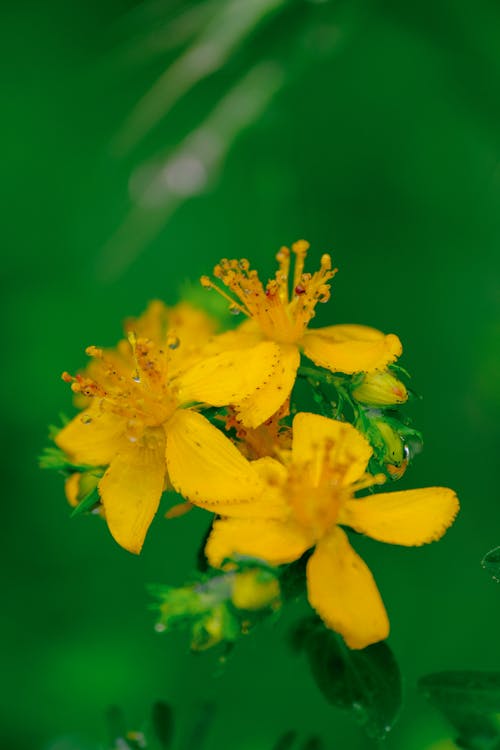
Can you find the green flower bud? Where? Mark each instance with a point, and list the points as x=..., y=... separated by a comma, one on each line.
x=392, y=444
x=255, y=589
x=380, y=389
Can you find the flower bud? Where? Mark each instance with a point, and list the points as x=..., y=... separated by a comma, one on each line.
x=380, y=389
x=255, y=589
x=392, y=444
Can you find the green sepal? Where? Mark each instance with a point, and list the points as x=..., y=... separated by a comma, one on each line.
x=366, y=682
x=87, y=503
x=54, y=458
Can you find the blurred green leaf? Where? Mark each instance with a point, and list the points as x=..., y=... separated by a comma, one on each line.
x=491, y=563
x=470, y=700
x=367, y=682
x=286, y=741
x=313, y=743
x=163, y=723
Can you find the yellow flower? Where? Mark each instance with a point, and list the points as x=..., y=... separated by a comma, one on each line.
x=281, y=312
x=303, y=502
x=137, y=420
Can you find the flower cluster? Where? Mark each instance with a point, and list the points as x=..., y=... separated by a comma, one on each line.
x=216, y=417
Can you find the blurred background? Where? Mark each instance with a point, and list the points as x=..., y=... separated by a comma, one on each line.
x=142, y=142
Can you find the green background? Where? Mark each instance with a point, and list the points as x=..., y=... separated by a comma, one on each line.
x=380, y=145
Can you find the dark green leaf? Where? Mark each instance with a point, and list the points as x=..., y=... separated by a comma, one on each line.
x=313, y=743
x=293, y=578
x=163, y=723
x=491, y=563
x=201, y=559
x=470, y=700
x=366, y=682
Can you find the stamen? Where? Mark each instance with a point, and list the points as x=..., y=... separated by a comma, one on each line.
x=207, y=283
x=281, y=313
x=300, y=249
x=369, y=480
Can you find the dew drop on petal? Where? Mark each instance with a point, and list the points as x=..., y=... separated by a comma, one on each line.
x=160, y=627
x=86, y=419
x=234, y=310
x=173, y=342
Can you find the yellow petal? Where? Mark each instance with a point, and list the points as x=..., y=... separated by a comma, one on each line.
x=245, y=336
x=315, y=437
x=342, y=591
x=131, y=489
x=410, y=517
x=203, y=464
x=228, y=377
x=273, y=541
x=271, y=503
x=92, y=437
x=270, y=395
x=351, y=348
x=72, y=489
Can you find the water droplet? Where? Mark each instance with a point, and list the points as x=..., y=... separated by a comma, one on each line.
x=132, y=438
x=160, y=627
x=173, y=342
x=234, y=310
x=136, y=378
x=86, y=419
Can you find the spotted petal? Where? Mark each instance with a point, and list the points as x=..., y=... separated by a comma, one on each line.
x=409, y=517
x=276, y=542
x=204, y=465
x=343, y=592
x=131, y=489
x=229, y=377
x=351, y=348
x=271, y=395
x=312, y=434
x=93, y=437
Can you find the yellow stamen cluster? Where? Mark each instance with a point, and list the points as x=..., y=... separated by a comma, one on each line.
x=285, y=306
x=135, y=387
x=316, y=490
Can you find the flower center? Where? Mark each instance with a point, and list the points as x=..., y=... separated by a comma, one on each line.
x=131, y=382
x=316, y=490
x=285, y=306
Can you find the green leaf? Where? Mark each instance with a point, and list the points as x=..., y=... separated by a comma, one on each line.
x=470, y=700
x=293, y=578
x=367, y=682
x=163, y=723
x=491, y=563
